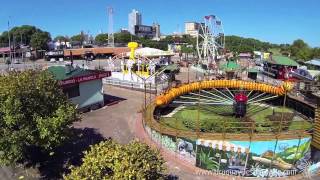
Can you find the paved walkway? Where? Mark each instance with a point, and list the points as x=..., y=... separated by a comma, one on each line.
x=122, y=122
x=117, y=119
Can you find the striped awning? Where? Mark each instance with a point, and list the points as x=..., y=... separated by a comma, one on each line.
x=222, y=145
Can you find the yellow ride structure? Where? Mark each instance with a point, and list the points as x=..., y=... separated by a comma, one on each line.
x=171, y=94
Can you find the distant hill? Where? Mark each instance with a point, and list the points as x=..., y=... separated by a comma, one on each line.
x=241, y=44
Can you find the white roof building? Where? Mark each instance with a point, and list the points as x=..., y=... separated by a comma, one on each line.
x=151, y=52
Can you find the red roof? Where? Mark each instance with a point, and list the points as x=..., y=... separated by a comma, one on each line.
x=4, y=50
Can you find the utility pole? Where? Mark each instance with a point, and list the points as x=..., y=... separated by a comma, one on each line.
x=9, y=40
x=110, y=27
x=14, y=47
x=22, y=59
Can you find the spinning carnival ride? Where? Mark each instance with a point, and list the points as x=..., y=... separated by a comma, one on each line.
x=235, y=125
x=210, y=41
x=238, y=94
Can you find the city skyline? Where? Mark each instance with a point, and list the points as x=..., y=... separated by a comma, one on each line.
x=276, y=22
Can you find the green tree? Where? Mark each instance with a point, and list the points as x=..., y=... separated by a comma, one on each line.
x=169, y=39
x=23, y=33
x=316, y=53
x=4, y=39
x=39, y=40
x=124, y=37
x=285, y=49
x=78, y=38
x=300, y=50
x=34, y=113
x=110, y=160
x=19, y=34
x=186, y=49
x=101, y=39
x=240, y=44
x=153, y=44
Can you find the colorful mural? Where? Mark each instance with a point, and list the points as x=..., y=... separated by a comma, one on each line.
x=252, y=159
x=186, y=148
x=256, y=158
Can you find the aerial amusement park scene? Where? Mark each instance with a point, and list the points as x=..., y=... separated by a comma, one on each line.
x=232, y=96
x=228, y=122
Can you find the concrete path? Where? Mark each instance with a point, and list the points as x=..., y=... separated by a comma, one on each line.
x=116, y=120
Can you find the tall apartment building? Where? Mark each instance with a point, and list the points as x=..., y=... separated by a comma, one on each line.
x=135, y=18
x=156, y=28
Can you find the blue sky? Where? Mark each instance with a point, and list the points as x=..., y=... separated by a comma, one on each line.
x=277, y=21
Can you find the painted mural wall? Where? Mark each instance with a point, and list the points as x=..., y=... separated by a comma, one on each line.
x=185, y=148
x=256, y=158
x=252, y=159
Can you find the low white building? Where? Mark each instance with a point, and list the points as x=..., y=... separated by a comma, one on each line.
x=55, y=45
x=151, y=52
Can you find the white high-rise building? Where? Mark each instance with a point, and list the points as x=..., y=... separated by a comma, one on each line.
x=156, y=27
x=135, y=18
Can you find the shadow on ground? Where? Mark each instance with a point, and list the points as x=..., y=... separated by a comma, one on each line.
x=110, y=100
x=53, y=167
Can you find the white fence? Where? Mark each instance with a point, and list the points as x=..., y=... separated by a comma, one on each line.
x=149, y=87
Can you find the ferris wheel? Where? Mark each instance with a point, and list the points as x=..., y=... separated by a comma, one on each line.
x=210, y=40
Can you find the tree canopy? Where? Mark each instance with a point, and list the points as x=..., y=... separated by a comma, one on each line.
x=124, y=37
x=78, y=38
x=240, y=44
x=316, y=53
x=110, y=160
x=101, y=38
x=25, y=34
x=300, y=50
x=39, y=40
x=34, y=113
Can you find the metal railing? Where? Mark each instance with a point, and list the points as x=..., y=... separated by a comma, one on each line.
x=266, y=79
x=229, y=130
x=139, y=86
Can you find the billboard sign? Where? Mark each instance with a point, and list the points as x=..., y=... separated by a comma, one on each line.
x=81, y=79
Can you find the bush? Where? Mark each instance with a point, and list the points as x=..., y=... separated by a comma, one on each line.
x=34, y=113
x=110, y=160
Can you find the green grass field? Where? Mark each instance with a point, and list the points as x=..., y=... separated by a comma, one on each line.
x=220, y=118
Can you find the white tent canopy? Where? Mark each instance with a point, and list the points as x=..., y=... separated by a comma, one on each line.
x=151, y=52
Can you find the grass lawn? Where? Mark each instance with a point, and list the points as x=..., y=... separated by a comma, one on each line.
x=300, y=124
x=212, y=118
x=275, y=51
